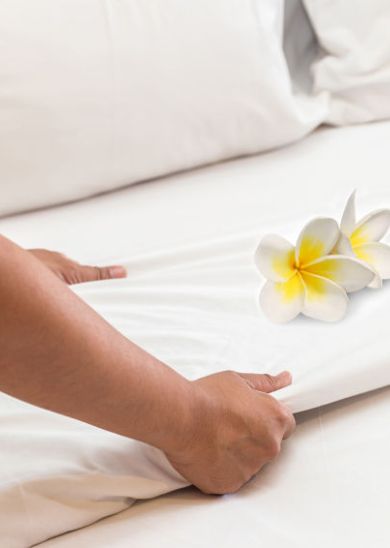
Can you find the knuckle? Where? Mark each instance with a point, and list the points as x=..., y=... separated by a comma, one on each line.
x=286, y=419
x=102, y=273
x=229, y=373
x=284, y=414
x=272, y=448
x=274, y=405
x=97, y=273
x=279, y=410
x=269, y=380
x=292, y=421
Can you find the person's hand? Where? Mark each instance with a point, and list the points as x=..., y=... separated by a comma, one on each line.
x=71, y=272
x=238, y=429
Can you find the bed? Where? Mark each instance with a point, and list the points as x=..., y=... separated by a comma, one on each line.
x=188, y=243
x=171, y=139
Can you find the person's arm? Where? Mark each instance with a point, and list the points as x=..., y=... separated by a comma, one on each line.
x=57, y=353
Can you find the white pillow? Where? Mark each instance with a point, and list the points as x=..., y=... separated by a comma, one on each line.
x=98, y=95
x=300, y=44
x=355, y=66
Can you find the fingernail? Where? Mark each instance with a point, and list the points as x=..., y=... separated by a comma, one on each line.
x=285, y=374
x=117, y=271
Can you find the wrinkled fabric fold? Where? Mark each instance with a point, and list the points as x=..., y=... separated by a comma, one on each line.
x=196, y=309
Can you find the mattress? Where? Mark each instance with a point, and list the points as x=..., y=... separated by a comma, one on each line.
x=187, y=241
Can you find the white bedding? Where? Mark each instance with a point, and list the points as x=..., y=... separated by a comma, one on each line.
x=353, y=69
x=191, y=299
x=330, y=487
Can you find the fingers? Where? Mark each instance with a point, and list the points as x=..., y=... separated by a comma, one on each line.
x=72, y=272
x=267, y=383
x=111, y=272
x=288, y=420
x=95, y=273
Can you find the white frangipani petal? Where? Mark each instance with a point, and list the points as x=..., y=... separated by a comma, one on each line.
x=371, y=228
x=324, y=299
x=376, y=281
x=343, y=246
x=366, y=232
x=275, y=258
x=348, y=272
x=282, y=301
x=317, y=239
x=348, y=220
x=376, y=254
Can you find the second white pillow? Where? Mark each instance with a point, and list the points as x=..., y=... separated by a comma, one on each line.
x=354, y=70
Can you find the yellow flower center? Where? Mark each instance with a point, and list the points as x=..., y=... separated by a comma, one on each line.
x=311, y=249
x=291, y=289
x=285, y=268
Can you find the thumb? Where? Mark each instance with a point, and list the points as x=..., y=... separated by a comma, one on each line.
x=267, y=383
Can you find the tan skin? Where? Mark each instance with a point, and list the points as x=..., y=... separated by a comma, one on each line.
x=56, y=352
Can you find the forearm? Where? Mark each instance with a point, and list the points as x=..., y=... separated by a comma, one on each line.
x=57, y=353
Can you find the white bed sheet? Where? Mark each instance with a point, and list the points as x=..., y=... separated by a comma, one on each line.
x=330, y=487
x=188, y=239
x=188, y=242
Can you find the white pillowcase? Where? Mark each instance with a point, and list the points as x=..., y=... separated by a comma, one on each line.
x=98, y=95
x=355, y=66
x=300, y=45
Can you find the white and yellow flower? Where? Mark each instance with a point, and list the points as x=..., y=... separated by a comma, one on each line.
x=361, y=239
x=305, y=279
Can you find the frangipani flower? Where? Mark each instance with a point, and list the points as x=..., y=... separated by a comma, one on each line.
x=361, y=239
x=305, y=278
